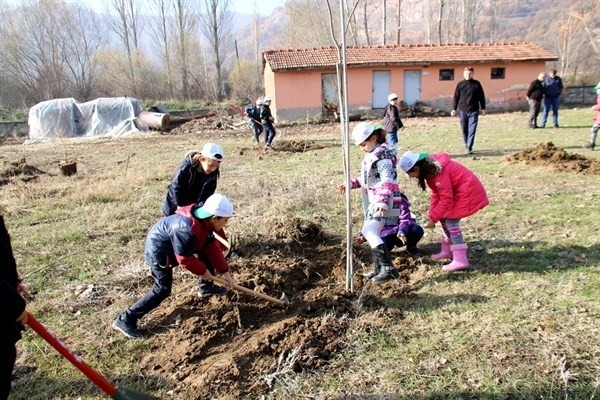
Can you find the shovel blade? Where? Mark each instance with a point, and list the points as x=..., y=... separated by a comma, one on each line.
x=126, y=394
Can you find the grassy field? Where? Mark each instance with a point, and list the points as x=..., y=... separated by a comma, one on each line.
x=522, y=324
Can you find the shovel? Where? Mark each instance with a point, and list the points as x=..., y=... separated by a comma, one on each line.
x=99, y=380
x=284, y=301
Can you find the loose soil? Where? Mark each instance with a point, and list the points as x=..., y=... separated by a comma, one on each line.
x=236, y=346
x=556, y=158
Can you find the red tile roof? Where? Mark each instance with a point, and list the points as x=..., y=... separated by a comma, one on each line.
x=327, y=57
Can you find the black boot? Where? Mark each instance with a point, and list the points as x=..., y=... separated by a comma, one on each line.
x=387, y=270
x=376, y=268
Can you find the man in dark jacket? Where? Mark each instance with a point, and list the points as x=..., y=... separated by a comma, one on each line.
x=535, y=94
x=553, y=88
x=13, y=314
x=187, y=239
x=195, y=179
x=266, y=119
x=469, y=99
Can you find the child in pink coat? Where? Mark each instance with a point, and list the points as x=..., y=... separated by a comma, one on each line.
x=456, y=193
x=596, y=127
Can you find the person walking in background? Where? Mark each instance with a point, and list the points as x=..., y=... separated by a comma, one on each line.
x=185, y=238
x=266, y=119
x=252, y=111
x=195, y=179
x=456, y=193
x=596, y=107
x=553, y=89
x=13, y=313
x=535, y=94
x=469, y=100
x=391, y=119
x=380, y=195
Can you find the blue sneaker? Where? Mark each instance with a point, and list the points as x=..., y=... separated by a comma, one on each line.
x=128, y=329
x=212, y=290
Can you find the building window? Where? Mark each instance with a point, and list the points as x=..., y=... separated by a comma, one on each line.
x=498, y=73
x=446, y=74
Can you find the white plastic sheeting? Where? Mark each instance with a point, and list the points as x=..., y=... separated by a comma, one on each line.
x=68, y=118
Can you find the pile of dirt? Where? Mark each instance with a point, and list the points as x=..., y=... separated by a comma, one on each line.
x=548, y=155
x=236, y=346
x=18, y=170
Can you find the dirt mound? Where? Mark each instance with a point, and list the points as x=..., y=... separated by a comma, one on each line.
x=546, y=154
x=18, y=170
x=236, y=346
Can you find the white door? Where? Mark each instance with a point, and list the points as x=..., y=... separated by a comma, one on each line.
x=412, y=86
x=381, y=88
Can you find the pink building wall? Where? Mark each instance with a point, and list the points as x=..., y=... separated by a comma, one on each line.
x=297, y=94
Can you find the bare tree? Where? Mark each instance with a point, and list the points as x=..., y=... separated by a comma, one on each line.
x=441, y=5
x=366, y=23
x=383, y=22
x=127, y=26
x=399, y=22
x=217, y=26
x=84, y=38
x=161, y=34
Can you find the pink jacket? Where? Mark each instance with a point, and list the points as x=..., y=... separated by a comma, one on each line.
x=455, y=192
x=596, y=107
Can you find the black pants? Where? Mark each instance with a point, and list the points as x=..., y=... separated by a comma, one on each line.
x=163, y=282
x=414, y=234
x=8, y=355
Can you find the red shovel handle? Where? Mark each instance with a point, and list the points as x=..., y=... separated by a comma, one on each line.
x=49, y=337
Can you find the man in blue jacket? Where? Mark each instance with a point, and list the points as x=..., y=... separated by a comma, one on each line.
x=185, y=238
x=13, y=314
x=553, y=89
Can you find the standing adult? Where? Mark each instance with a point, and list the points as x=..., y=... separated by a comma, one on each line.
x=553, y=88
x=391, y=119
x=469, y=100
x=535, y=94
x=195, y=179
x=266, y=119
x=13, y=314
x=185, y=238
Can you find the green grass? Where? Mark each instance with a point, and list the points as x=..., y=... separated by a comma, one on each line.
x=499, y=331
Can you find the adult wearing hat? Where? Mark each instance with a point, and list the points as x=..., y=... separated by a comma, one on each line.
x=186, y=239
x=469, y=100
x=391, y=119
x=196, y=178
x=456, y=193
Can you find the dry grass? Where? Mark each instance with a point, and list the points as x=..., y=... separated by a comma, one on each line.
x=522, y=324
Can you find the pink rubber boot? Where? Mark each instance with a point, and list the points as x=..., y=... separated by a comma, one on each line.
x=445, y=252
x=459, y=258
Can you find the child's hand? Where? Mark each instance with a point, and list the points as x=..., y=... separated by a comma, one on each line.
x=360, y=239
x=430, y=224
x=402, y=237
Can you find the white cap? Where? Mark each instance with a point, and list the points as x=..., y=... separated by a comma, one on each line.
x=392, y=96
x=213, y=151
x=217, y=205
x=267, y=98
x=259, y=101
x=361, y=132
x=409, y=159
